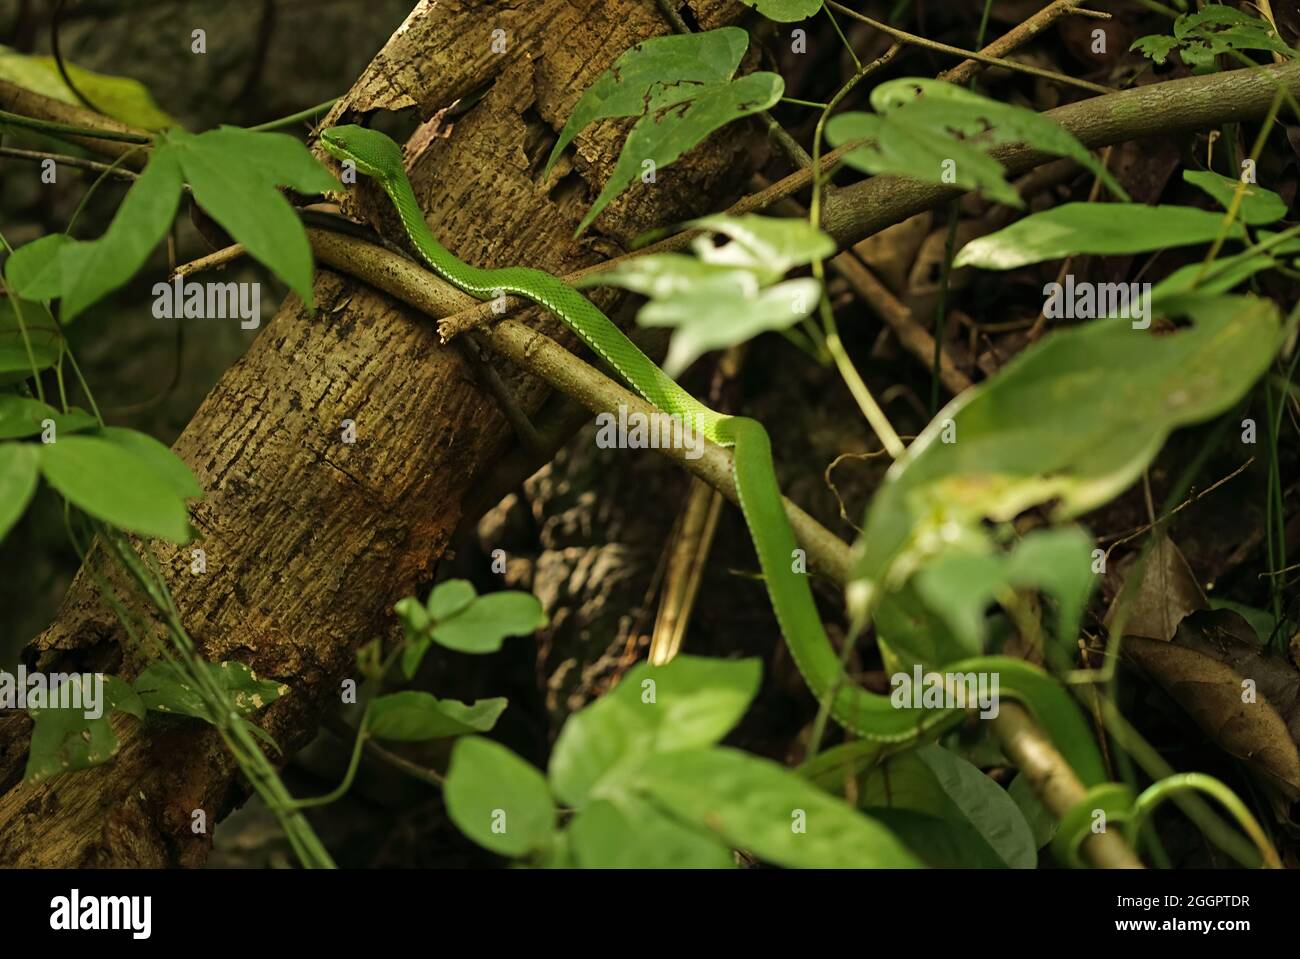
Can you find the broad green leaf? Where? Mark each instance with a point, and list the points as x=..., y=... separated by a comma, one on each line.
x=449, y=598
x=1196, y=281
x=959, y=586
x=1100, y=228
x=932, y=780
x=903, y=148
x=121, y=697
x=89, y=270
x=36, y=333
x=117, y=486
x=22, y=416
x=1072, y=420
x=411, y=716
x=20, y=468
x=483, y=625
x=1041, y=822
x=682, y=87
x=121, y=98
x=940, y=132
x=688, y=703
x=939, y=843
x=768, y=247
x=703, y=322
x=720, y=297
x=64, y=740
x=497, y=799
x=164, y=463
x=234, y=174
x=164, y=688
x=1258, y=205
x=34, y=271
x=758, y=806
x=632, y=834
x=785, y=11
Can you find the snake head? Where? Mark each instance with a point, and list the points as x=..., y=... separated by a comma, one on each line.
x=371, y=152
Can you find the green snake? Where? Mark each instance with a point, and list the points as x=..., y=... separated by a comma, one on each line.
x=869, y=715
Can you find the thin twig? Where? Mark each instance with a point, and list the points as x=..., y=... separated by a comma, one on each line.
x=910, y=38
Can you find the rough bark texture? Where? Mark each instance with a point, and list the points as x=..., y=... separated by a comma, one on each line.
x=309, y=540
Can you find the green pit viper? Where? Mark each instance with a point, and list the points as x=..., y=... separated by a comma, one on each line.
x=869, y=715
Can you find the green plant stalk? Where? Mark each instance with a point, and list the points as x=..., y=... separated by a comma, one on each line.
x=232, y=728
x=1167, y=788
x=60, y=130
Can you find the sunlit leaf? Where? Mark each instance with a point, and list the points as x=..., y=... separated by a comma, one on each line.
x=497, y=799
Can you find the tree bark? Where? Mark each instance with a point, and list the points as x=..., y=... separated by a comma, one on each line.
x=309, y=540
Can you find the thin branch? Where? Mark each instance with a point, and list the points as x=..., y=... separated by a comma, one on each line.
x=904, y=37
x=1019, y=36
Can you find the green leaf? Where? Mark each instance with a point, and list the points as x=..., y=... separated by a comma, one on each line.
x=162, y=461
x=959, y=586
x=940, y=132
x=705, y=322
x=682, y=88
x=1258, y=205
x=22, y=416
x=34, y=271
x=720, y=297
x=449, y=598
x=1072, y=420
x=939, y=843
x=765, y=809
x=903, y=148
x=117, y=486
x=65, y=739
x=483, y=625
x=164, y=687
x=932, y=780
x=37, y=332
x=121, y=98
x=1041, y=822
x=1194, y=281
x=91, y=270
x=785, y=11
x=768, y=247
x=1156, y=46
x=20, y=467
x=121, y=697
x=234, y=174
x=412, y=716
x=1100, y=228
x=688, y=703
x=497, y=799
x=632, y=834
x=1218, y=29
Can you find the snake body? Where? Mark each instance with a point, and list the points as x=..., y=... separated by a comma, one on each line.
x=869, y=715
